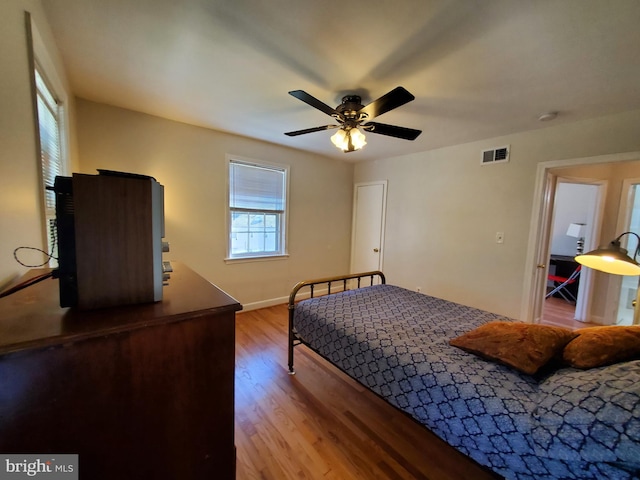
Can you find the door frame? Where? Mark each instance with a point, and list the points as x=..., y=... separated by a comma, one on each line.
x=535, y=272
x=583, y=303
x=382, y=221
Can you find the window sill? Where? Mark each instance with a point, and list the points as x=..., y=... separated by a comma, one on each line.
x=264, y=258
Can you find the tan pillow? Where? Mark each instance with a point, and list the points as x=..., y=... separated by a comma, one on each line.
x=523, y=346
x=598, y=346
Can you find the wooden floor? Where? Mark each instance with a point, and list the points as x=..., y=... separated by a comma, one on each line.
x=560, y=313
x=320, y=424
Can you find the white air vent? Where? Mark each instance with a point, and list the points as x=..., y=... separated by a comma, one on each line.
x=495, y=155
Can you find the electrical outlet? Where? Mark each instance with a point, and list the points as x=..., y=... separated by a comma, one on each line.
x=499, y=237
x=418, y=289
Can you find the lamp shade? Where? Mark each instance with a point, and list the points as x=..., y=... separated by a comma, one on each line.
x=610, y=259
x=340, y=140
x=576, y=230
x=357, y=138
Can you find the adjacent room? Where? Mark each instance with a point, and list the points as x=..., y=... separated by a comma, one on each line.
x=191, y=191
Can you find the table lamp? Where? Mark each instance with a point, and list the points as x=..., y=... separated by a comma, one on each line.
x=577, y=230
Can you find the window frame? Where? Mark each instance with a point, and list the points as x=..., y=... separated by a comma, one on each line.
x=40, y=60
x=283, y=216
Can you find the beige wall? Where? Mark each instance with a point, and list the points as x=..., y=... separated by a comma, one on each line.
x=21, y=221
x=190, y=162
x=444, y=209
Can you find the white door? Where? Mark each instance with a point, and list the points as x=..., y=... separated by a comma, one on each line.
x=544, y=236
x=592, y=221
x=367, y=239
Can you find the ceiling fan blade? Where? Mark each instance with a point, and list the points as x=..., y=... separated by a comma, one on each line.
x=311, y=130
x=395, y=98
x=314, y=102
x=392, y=130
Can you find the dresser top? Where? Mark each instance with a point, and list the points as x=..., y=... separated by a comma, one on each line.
x=33, y=318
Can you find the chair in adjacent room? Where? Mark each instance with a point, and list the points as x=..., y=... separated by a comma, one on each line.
x=560, y=285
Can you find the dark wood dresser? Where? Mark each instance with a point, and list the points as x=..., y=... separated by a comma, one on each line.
x=138, y=392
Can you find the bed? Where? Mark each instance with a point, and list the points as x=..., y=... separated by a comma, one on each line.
x=561, y=422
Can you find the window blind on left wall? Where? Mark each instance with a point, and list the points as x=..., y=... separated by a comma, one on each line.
x=49, y=127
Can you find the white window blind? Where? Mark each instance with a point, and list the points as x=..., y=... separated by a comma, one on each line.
x=256, y=187
x=49, y=127
x=257, y=207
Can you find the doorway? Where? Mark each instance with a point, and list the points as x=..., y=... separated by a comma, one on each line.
x=575, y=219
x=535, y=279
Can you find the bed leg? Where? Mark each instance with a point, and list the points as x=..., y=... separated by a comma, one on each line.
x=291, y=370
x=291, y=340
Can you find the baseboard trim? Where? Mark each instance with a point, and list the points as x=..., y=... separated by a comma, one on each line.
x=264, y=303
x=280, y=300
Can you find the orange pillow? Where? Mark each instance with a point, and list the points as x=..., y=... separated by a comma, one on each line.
x=599, y=346
x=523, y=346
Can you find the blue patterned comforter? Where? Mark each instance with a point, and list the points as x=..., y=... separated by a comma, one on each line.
x=568, y=424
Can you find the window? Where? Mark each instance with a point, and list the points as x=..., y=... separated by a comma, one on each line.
x=257, y=209
x=51, y=158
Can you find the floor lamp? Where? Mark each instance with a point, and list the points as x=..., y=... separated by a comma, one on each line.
x=612, y=258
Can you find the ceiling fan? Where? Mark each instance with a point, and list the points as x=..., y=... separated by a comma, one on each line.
x=352, y=115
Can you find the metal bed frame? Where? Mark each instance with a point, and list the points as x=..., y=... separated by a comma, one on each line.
x=294, y=339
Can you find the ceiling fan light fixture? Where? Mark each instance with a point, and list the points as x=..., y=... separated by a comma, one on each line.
x=352, y=115
x=349, y=140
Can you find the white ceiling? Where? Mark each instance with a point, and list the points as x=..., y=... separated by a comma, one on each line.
x=478, y=68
